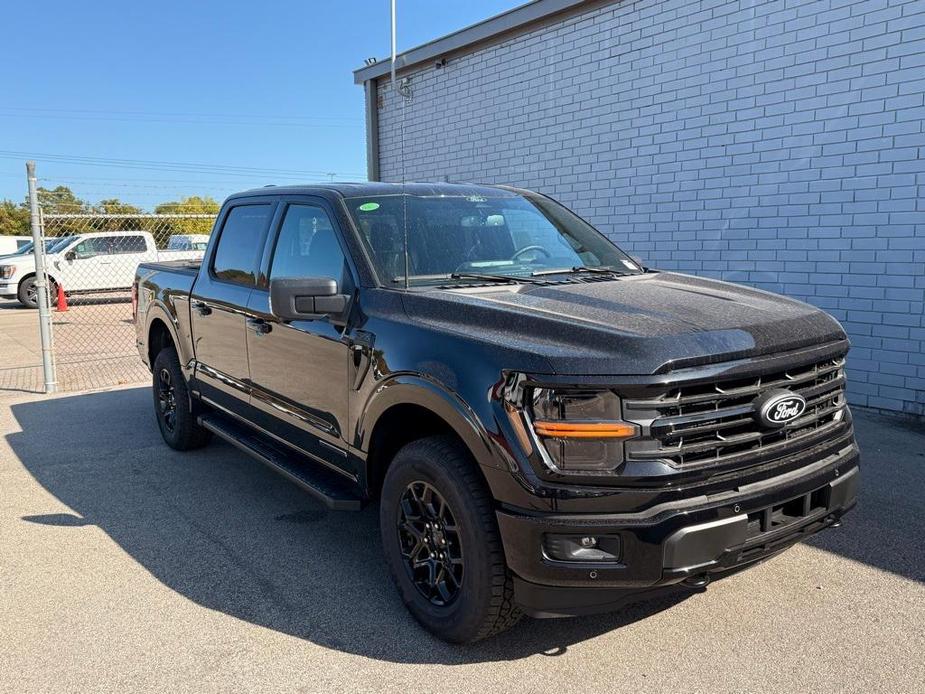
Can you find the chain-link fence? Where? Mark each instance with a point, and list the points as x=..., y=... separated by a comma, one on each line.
x=90, y=260
x=91, y=267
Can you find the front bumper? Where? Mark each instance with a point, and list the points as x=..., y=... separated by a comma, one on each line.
x=8, y=289
x=692, y=540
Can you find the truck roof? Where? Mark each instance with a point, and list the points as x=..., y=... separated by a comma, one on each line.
x=93, y=234
x=373, y=188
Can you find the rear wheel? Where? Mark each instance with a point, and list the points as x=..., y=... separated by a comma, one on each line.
x=175, y=417
x=442, y=544
x=28, y=294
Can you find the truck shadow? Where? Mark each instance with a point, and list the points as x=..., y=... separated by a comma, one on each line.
x=230, y=535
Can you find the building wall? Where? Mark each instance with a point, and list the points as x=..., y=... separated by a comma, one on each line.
x=774, y=143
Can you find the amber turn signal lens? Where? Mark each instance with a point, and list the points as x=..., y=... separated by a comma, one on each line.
x=585, y=430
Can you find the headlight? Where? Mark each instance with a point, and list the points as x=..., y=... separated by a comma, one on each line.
x=580, y=430
x=6, y=271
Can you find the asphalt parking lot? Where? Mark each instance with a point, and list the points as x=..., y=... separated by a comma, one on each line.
x=126, y=566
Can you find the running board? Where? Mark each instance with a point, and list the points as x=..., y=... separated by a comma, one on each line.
x=332, y=489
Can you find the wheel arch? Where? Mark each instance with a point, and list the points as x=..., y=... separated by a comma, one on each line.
x=32, y=273
x=409, y=408
x=161, y=325
x=159, y=336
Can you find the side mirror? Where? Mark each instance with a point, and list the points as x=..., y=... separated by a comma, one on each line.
x=70, y=255
x=306, y=298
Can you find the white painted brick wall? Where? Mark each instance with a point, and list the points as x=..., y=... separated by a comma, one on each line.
x=775, y=143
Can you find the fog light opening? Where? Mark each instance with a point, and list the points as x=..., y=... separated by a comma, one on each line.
x=582, y=548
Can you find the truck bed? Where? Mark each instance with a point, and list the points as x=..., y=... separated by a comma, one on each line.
x=179, y=275
x=188, y=266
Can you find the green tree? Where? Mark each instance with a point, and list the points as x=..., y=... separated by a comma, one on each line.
x=116, y=206
x=57, y=201
x=193, y=204
x=128, y=218
x=60, y=200
x=14, y=219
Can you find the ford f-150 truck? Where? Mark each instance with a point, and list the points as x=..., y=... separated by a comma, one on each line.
x=547, y=426
x=95, y=262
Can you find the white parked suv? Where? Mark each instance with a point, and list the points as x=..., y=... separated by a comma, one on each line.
x=87, y=263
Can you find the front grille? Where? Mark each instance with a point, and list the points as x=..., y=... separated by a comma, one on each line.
x=715, y=424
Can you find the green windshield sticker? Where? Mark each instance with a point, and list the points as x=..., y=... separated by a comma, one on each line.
x=368, y=206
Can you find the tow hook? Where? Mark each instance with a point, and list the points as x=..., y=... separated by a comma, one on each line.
x=700, y=581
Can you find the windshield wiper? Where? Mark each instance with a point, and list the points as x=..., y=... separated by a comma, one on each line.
x=579, y=268
x=490, y=278
x=470, y=276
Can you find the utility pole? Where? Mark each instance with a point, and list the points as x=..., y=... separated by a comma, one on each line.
x=41, y=284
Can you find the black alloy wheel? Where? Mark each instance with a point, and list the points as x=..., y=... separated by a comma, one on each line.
x=430, y=543
x=166, y=399
x=440, y=535
x=173, y=405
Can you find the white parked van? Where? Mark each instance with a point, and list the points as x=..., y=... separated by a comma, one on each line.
x=86, y=263
x=11, y=244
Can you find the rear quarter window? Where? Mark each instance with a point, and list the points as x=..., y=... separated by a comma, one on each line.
x=128, y=244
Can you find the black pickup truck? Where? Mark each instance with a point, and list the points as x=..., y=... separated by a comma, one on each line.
x=548, y=427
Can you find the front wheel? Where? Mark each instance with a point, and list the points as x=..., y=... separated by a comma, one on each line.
x=442, y=544
x=172, y=404
x=28, y=293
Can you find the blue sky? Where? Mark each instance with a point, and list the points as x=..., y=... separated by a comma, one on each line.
x=264, y=86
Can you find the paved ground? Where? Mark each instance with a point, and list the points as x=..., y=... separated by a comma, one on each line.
x=127, y=567
x=94, y=346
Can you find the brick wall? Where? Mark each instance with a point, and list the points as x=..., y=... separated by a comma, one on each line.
x=779, y=144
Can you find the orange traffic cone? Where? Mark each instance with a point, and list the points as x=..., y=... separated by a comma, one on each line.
x=62, y=300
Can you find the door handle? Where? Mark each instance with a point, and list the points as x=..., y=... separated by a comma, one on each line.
x=258, y=325
x=201, y=308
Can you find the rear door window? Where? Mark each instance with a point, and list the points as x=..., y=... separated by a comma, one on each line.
x=240, y=242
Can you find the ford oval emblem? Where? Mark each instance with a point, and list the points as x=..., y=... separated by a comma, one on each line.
x=779, y=407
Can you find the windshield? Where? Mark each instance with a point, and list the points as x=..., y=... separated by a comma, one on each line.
x=51, y=246
x=512, y=236
x=56, y=245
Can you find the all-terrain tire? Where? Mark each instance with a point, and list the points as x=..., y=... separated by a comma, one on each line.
x=484, y=602
x=172, y=404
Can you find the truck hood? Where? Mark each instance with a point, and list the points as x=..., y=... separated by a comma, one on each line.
x=640, y=324
x=21, y=262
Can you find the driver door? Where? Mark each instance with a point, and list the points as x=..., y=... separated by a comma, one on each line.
x=299, y=369
x=83, y=266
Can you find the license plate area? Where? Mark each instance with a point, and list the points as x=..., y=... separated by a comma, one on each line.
x=793, y=511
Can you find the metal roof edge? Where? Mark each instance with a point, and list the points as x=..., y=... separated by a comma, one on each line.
x=470, y=36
